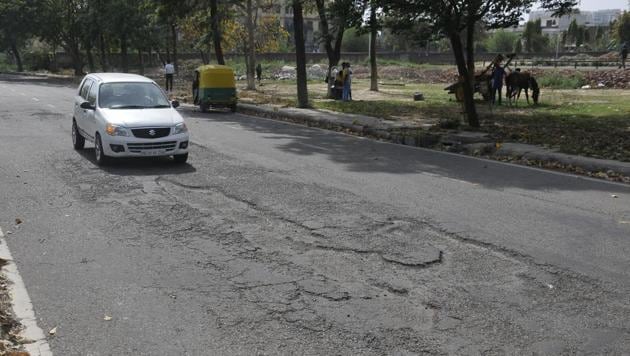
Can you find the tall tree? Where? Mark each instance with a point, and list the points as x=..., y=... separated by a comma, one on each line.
x=215, y=25
x=457, y=19
x=16, y=25
x=535, y=40
x=300, y=54
x=251, y=13
x=374, y=27
x=335, y=17
x=61, y=24
x=169, y=13
x=621, y=29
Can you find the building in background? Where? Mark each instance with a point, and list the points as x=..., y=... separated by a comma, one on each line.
x=552, y=25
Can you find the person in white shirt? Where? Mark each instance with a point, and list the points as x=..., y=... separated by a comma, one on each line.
x=169, y=71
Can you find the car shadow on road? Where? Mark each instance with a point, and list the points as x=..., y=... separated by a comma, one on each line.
x=140, y=166
x=372, y=156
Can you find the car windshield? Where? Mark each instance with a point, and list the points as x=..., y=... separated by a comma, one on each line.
x=131, y=96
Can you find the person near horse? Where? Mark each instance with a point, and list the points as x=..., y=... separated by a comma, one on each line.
x=498, y=74
x=347, y=82
x=259, y=72
x=623, y=54
x=338, y=85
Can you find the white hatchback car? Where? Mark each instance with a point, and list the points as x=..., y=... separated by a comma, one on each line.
x=127, y=115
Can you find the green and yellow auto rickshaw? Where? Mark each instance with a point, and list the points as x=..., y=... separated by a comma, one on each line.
x=214, y=86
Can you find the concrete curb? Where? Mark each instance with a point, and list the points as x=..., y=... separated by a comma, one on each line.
x=531, y=152
x=399, y=134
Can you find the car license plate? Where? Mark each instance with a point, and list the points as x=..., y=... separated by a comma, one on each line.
x=153, y=152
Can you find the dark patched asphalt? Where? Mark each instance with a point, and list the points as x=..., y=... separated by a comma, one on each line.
x=281, y=239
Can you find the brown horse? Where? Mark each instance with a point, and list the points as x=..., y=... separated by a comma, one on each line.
x=518, y=81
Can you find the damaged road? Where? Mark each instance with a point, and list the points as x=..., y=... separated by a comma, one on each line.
x=279, y=239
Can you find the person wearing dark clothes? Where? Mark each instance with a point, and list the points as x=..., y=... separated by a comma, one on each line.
x=623, y=54
x=195, y=88
x=259, y=73
x=498, y=74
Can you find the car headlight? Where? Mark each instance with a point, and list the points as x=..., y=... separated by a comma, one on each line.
x=180, y=128
x=115, y=130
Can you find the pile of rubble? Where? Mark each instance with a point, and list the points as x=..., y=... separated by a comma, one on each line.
x=617, y=78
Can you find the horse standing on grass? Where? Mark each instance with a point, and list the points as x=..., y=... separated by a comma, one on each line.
x=518, y=81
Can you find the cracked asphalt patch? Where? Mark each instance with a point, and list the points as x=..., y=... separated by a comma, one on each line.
x=272, y=265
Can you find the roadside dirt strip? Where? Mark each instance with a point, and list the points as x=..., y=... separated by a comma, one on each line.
x=19, y=333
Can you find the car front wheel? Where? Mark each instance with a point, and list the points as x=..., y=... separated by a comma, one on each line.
x=78, y=141
x=99, y=155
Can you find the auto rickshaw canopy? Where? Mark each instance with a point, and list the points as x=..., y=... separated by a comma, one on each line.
x=216, y=76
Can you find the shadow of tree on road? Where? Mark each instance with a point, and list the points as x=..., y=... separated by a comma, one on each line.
x=358, y=154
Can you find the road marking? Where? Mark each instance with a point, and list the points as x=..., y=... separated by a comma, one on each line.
x=22, y=306
x=35, y=99
x=51, y=105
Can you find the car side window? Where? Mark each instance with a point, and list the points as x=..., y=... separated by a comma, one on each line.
x=84, y=89
x=92, y=94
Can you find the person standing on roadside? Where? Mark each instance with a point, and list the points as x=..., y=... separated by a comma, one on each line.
x=623, y=54
x=498, y=75
x=347, y=82
x=169, y=72
x=259, y=72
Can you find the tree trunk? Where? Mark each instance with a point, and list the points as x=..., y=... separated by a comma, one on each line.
x=331, y=52
x=250, y=56
x=102, y=53
x=174, y=35
x=150, y=57
x=204, y=57
x=469, y=102
x=300, y=54
x=470, y=50
x=373, y=34
x=124, y=56
x=141, y=61
x=16, y=55
x=77, y=61
x=90, y=57
x=216, y=31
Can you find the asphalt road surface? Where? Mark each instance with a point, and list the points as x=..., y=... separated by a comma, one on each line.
x=282, y=239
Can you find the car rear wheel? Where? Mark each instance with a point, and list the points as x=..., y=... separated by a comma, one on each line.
x=181, y=159
x=99, y=155
x=78, y=141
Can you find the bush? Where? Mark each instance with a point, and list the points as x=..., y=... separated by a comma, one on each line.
x=501, y=41
x=5, y=63
x=557, y=80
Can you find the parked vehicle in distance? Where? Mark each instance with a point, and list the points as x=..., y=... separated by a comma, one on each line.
x=127, y=115
x=214, y=86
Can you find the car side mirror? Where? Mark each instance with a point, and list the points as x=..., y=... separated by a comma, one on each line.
x=86, y=105
x=175, y=104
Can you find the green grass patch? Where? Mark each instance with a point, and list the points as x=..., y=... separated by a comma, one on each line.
x=557, y=80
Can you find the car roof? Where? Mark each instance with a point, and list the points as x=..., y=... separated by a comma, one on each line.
x=120, y=77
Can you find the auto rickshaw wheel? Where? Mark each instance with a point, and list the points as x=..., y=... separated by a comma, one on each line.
x=204, y=107
x=233, y=107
